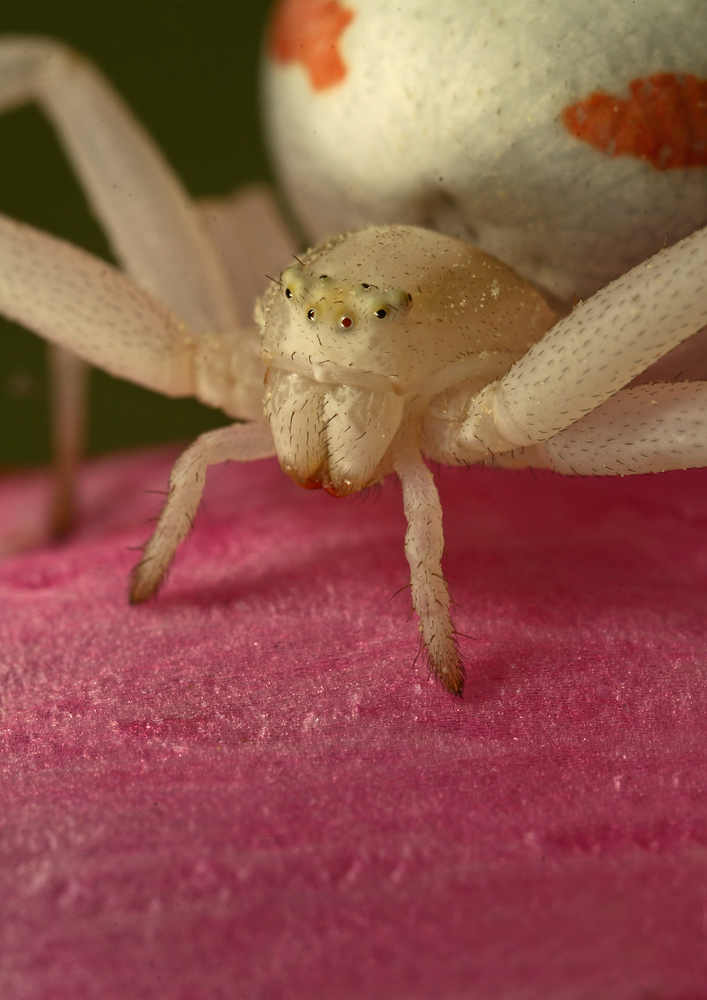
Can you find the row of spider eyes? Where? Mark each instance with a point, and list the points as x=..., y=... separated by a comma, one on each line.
x=346, y=322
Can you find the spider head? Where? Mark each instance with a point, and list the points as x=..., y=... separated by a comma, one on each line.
x=332, y=409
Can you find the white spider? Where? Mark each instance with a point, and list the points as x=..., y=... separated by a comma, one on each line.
x=377, y=349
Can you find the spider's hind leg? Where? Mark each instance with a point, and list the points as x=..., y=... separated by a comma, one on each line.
x=68, y=400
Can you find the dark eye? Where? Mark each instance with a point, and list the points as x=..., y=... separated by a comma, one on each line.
x=311, y=314
x=323, y=276
x=381, y=313
x=364, y=285
x=288, y=293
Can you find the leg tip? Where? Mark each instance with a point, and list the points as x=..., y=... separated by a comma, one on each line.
x=453, y=681
x=445, y=662
x=63, y=513
x=142, y=587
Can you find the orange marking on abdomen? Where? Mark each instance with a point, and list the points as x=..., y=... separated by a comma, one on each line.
x=664, y=121
x=307, y=31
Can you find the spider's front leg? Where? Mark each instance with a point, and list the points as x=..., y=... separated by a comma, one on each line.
x=96, y=311
x=152, y=226
x=424, y=543
x=204, y=264
x=563, y=404
x=238, y=443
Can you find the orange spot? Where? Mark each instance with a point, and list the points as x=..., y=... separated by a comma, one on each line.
x=307, y=31
x=664, y=121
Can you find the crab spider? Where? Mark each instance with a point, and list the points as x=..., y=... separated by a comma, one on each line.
x=376, y=349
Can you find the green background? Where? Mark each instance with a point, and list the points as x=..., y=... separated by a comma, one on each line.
x=189, y=71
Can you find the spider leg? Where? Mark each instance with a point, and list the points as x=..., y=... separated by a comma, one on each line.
x=645, y=428
x=424, y=543
x=255, y=245
x=91, y=308
x=152, y=225
x=238, y=443
x=68, y=402
x=156, y=232
x=589, y=355
x=685, y=363
x=80, y=302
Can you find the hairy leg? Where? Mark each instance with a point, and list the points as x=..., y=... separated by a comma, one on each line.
x=590, y=354
x=237, y=443
x=157, y=233
x=94, y=310
x=647, y=428
x=152, y=225
x=424, y=543
x=255, y=245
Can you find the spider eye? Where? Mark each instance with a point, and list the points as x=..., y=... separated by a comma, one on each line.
x=288, y=293
x=381, y=313
x=346, y=322
x=364, y=285
x=311, y=315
